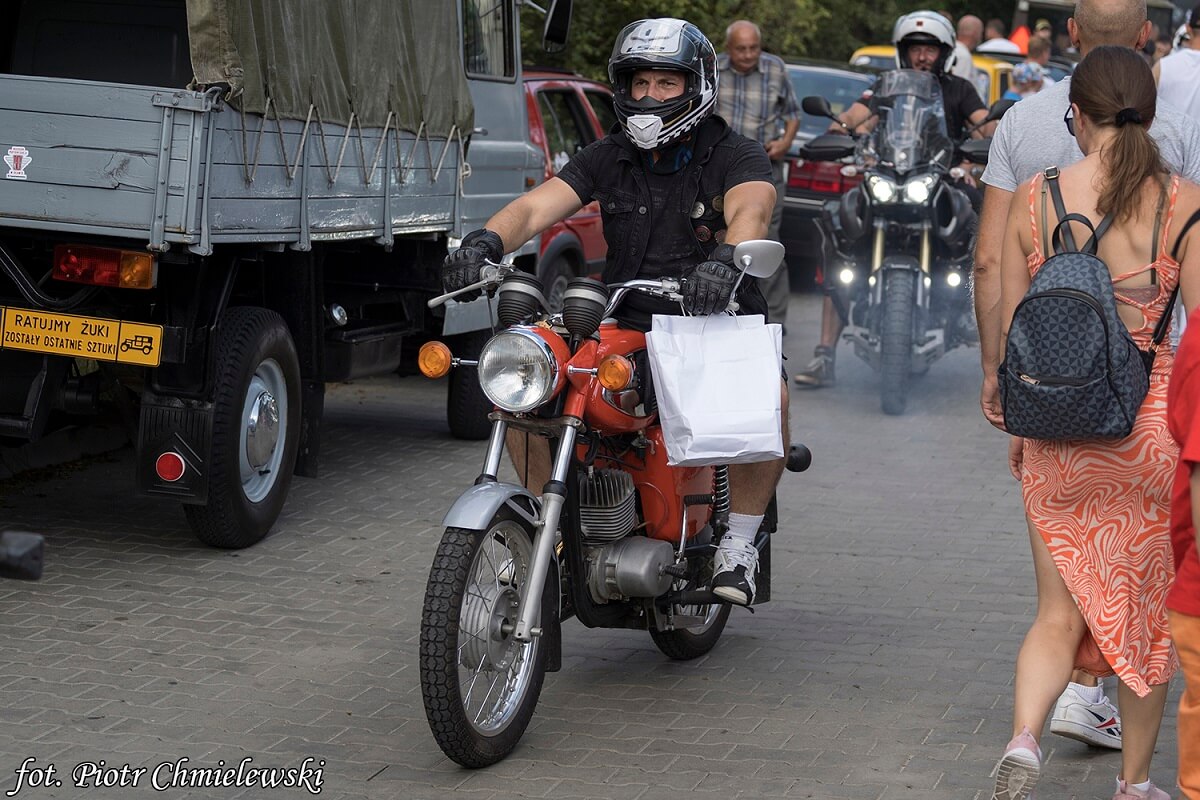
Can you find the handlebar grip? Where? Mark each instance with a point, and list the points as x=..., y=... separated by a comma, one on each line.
x=697, y=499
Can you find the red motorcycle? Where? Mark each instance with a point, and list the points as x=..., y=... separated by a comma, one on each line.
x=618, y=538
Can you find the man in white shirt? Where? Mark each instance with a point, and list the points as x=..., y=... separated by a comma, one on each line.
x=995, y=41
x=1176, y=74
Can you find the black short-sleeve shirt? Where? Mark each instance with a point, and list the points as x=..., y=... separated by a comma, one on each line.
x=612, y=171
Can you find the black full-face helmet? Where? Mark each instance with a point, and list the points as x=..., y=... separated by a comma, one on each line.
x=666, y=44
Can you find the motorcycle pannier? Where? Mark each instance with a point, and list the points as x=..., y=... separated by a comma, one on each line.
x=717, y=383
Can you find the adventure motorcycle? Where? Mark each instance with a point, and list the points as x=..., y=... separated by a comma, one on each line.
x=898, y=246
x=618, y=538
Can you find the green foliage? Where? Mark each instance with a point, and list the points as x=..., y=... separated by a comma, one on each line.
x=829, y=29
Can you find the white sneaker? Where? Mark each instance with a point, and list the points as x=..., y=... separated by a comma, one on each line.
x=734, y=566
x=1096, y=724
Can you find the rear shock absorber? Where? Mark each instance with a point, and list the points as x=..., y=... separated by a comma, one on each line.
x=720, y=503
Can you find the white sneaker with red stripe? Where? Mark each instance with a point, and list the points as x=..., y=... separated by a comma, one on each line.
x=1096, y=724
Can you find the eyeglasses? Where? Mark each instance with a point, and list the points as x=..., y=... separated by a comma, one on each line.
x=1069, y=119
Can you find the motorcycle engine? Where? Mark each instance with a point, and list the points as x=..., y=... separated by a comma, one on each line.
x=607, y=505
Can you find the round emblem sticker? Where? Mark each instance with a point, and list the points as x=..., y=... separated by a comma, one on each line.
x=703, y=233
x=718, y=203
x=698, y=210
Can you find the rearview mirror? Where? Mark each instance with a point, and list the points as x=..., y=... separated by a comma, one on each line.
x=758, y=258
x=558, y=25
x=999, y=109
x=817, y=107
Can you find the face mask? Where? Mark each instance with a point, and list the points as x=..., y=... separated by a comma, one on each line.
x=643, y=130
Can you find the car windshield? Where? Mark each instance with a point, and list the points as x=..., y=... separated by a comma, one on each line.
x=840, y=88
x=911, y=131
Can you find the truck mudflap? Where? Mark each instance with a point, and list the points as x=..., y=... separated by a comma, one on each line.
x=174, y=436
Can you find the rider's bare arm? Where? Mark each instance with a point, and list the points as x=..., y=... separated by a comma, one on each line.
x=978, y=116
x=532, y=213
x=748, y=208
x=857, y=117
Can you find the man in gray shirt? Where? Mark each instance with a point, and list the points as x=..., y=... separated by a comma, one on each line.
x=1031, y=137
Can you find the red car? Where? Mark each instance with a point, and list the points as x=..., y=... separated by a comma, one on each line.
x=567, y=112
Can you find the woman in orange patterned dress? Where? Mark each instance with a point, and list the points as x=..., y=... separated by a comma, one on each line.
x=1098, y=511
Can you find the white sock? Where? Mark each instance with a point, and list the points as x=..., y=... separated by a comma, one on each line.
x=743, y=527
x=1093, y=694
x=1141, y=787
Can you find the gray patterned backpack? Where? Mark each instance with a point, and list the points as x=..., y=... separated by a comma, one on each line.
x=1071, y=369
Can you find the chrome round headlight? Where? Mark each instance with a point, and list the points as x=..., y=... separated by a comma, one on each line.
x=517, y=370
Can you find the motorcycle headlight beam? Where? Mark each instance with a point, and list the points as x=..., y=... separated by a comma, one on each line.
x=883, y=190
x=846, y=276
x=917, y=190
x=517, y=370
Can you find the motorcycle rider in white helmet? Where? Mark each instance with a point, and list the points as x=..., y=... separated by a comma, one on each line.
x=677, y=189
x=924, y=41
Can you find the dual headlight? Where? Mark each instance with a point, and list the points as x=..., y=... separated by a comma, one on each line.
x=518, y=370
x=914, y=190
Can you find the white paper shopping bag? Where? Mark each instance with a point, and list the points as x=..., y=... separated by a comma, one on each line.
x=717, y=380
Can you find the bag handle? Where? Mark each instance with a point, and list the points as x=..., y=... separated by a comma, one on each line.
x=1160, y=330
x=1062, y=238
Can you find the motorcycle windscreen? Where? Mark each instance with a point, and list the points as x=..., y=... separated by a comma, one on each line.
x=911, y=131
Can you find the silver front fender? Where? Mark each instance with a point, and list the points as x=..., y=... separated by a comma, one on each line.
x=475, y=508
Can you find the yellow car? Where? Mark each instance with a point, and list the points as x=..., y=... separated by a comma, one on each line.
x=991, y=74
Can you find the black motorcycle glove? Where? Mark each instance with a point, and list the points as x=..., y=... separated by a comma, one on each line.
x=709, y=287
x=461, y=268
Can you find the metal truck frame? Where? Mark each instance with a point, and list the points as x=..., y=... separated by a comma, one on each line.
x=211, y=266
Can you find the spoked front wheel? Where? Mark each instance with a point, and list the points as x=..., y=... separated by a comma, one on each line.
x=479, y=684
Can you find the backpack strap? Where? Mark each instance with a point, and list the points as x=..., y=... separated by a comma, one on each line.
x=1062, y=238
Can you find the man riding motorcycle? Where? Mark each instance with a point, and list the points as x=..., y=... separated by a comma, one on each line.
x=677, y=189
x=924, y=41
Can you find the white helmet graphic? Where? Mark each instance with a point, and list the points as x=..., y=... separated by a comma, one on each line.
x=667, y=44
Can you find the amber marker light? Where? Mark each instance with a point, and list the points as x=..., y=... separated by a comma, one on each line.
x=137, y=270
x=615, y=373
x=434, y=359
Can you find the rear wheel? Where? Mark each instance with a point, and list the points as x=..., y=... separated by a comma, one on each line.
x=896, y=340
x=684, y=644
x=479, y=684
x=256, y=429
x=555, y=275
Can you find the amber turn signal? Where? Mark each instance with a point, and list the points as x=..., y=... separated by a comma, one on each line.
x=434, y=359
x=615, y=373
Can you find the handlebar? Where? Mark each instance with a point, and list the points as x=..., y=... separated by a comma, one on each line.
x=493, y=273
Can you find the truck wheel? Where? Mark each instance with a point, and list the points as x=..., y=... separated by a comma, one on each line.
x=255, y=432
x=555, y=275
x=467, y=407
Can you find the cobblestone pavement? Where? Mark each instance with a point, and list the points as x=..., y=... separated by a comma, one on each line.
x=881, y=669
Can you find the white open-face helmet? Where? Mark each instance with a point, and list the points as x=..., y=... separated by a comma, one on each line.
x=923, y=27
x=666, y=44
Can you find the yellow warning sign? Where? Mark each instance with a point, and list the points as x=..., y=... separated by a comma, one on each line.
x=84, y=337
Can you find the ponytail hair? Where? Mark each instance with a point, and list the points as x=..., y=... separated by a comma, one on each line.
x=1114, y=87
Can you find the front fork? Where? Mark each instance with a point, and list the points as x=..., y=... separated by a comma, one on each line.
x=554, y=496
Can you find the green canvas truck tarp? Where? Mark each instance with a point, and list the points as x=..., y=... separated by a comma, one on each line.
x=343, y=57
